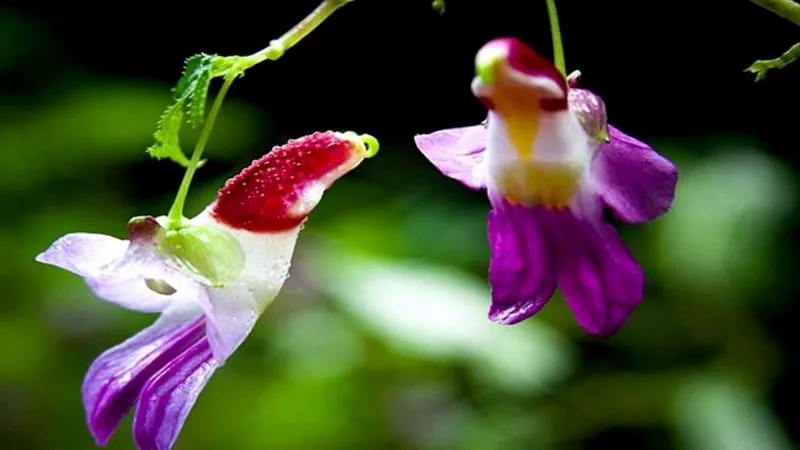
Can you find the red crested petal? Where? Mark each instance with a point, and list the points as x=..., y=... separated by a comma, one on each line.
x=265, y=196
x=524, y=59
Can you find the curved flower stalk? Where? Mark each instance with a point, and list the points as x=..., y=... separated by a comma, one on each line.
x=210, y=281
x=551, y=164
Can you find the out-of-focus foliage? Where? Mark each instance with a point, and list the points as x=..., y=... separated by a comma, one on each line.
x=380, y=340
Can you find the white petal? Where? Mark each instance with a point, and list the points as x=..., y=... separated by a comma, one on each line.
x=552, y=171
x=234, y=309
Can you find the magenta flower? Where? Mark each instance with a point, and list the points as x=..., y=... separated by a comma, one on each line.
x=551, y=165
x=210, y=281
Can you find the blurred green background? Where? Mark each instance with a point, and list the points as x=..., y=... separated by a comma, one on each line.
x=380, y=337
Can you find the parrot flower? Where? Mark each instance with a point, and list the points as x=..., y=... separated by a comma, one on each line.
x=551, y=165
x=210, y=280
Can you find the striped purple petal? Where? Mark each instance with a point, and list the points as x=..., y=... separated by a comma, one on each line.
x=636, y=182
x=457, y=152
x=168, y=397
x=523, y=266
x=536, y=249
x=117, y=376
x=599, y=278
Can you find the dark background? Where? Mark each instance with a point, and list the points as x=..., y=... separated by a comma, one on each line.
x=670, y=72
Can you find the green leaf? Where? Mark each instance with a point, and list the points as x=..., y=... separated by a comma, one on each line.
x=192, y=68
x=198, y=98
x=438, y=6
x=190, y=96
x=193, y=86
x=167, y=136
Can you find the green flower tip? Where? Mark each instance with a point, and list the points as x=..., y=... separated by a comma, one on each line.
x=209, y=254
x=487, y=60
x=366, y=144
x=371, y=145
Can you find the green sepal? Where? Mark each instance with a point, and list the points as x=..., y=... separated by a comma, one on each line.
x=209, y=254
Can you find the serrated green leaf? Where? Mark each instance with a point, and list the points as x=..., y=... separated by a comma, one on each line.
x=198, y=98
x=194, y=68
x=192, y=88
x=167, y=135
x=190, y=96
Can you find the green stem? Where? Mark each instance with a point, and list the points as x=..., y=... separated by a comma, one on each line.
x=555, y=31
x=279, y=46
x=274, y=51
x=176, y=212
x=787, y=9
x=761, y=67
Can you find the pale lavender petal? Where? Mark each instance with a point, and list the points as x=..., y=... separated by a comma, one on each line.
x=457, y=152
x=636, y=182
x=600, y=280
x=591, y=112
x=142, y=281
x=523, y=266
x=119, y=271
x=84, y=254
x=116, y=377
x=167, y=399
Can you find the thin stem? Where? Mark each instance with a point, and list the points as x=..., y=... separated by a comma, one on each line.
x=277, y=47
x=788, y=9
x=761, y=67
x=274, y=51
x=555, y=31
x=176, y=212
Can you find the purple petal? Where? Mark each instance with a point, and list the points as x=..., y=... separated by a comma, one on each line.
x=168, y=397
x=116, y=377
x=635, y=181
x=523, y=269
x=457, y=153
x=600, y=280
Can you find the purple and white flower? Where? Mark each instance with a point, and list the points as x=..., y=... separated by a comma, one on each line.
x=551, y=165
x=210, y=280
